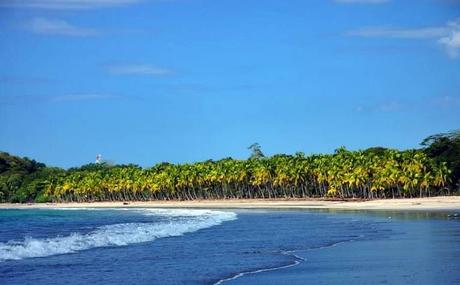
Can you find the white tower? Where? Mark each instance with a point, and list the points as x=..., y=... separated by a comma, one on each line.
x=98, y=158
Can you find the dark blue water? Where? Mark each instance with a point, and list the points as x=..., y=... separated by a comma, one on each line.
x=232, y=247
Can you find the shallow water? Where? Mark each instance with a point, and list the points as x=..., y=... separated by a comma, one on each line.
x=180, y=246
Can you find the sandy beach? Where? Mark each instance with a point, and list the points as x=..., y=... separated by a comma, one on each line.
x=432, y=203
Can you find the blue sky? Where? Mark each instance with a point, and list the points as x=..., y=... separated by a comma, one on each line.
x=188, y=80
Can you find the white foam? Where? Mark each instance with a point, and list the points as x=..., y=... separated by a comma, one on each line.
x=117, y=234
x=183, y=212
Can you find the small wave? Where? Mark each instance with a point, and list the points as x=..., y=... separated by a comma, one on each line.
x=116, y=234
x=184, y=212
x=297, y=260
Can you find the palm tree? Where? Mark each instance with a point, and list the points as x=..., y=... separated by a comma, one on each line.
x=344, y=174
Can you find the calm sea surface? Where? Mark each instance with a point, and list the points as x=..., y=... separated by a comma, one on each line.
x=182, y=246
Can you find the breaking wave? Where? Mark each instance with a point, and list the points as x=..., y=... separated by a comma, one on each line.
x=177, y=222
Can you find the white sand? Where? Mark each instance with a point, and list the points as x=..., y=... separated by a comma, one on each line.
x=433, y=203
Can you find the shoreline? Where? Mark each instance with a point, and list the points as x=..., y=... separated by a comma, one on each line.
x=429, y=203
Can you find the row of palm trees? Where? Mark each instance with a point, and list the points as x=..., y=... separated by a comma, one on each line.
x=344, y=174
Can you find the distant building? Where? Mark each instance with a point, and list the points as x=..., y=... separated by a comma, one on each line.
x=98, y=158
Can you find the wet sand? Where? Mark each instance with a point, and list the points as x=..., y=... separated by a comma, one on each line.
x=410, y=248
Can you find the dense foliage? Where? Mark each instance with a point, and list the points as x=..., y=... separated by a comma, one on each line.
x=22, y=179
x=445, y=148
x=372, y=173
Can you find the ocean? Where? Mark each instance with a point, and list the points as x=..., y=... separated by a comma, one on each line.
x=192, y=246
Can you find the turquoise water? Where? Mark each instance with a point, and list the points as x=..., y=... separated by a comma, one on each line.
x=184, y=246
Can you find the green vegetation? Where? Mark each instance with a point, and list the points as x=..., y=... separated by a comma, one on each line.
x=373, y=173
x=445, y=148
x=22, y=179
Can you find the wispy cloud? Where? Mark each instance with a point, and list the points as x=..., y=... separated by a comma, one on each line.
x=83, y=97
x=362, y=1
x=385, y=106
x=66, y=4
x=18, y=79
x=451, y=41
x=441, y=103
x=447, y=101
x=385, y=32
x=6, y=100
x=138, y=69
x=56, y=27
x=390, y=106
x=448, y=36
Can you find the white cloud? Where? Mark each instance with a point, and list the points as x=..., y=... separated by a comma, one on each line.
x=58, y=27
x=384, y=32
x=390, y=106
x=447, y=101
x=66, y=4
x=362, y=1
x=448, y=36
x=451, y=41
x=421, y=104
x=82, y=97
x=138, y=69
